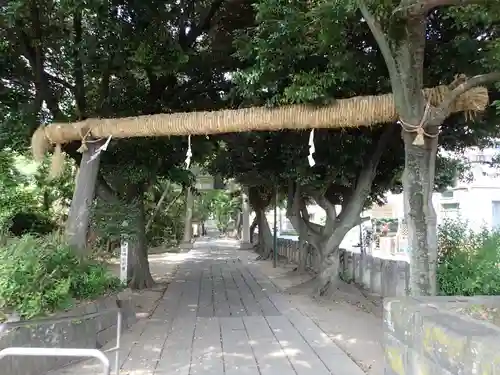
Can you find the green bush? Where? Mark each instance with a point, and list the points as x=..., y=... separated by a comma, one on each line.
x=31, y=222
x=41, y=275
x=468, y=262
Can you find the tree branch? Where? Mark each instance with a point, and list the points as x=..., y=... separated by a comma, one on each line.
x=297, y=211
x=313, y=228
x=365, y=179
x=330, y=210
x=383, y=44
x=203, y=25
x=444, y=109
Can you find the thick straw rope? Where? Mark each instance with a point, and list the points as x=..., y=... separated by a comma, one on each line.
x=353, y=112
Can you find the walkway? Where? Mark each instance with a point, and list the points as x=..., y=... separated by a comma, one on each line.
x=221, y=315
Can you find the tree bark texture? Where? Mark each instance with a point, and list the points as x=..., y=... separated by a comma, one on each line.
x=420, y=215
x=141, y=275
x=259, y=198
x=79, y=213
x=303, y=253
x=265, y=244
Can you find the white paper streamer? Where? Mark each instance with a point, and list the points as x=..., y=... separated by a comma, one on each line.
x=104, y=147
x=312, y=150
x=188, y=153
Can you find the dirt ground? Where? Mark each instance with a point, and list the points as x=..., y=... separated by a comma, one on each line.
x=349, y=317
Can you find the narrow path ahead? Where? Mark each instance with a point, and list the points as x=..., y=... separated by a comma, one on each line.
x=221, y=316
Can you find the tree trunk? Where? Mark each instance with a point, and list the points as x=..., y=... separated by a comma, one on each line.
x=157, y=207
x=405, y=62
x=303, y=253
x=79, y=213
x=265, y=244
x=418, y=181
x=325, y=240
x=328, y=276
x=141, y=275
x=239, y=226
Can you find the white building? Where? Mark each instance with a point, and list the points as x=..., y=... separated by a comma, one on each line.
x=477, y=201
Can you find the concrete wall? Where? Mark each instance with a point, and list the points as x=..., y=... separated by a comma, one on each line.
x=385, y=277
x=442, y=336
x=88, y=333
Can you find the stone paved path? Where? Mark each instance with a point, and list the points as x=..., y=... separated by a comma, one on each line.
x=221, y=316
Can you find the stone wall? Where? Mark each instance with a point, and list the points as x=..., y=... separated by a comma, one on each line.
x=385, y=277
x=84, y=333
x=442, y=336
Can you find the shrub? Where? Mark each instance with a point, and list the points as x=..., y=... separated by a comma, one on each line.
x=40, y=275
x=468, y=262
x=31, y=222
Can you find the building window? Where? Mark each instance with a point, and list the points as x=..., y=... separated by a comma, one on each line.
x=450, y=210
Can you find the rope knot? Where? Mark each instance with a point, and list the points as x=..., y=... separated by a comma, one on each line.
x=419, y=129
x=84, y=138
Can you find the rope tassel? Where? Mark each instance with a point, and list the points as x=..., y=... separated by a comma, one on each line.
x=419, y=139
x=189, y=154
x=312, y=150
x=57, y=163
x=419, y=129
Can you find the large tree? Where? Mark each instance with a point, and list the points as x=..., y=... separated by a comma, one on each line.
x=68, y=61
x=403, y=32
x=315, y=52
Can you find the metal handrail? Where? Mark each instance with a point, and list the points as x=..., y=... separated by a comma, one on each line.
x=69, y=352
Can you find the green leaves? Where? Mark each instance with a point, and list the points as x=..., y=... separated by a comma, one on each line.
x=224, y=206
x=468, y=261
x=25, y=192
x=39, y=276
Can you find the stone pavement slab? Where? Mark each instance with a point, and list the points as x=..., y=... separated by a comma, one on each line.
x=221, y=316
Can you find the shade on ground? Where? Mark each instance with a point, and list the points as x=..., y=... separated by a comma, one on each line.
x=221, y=316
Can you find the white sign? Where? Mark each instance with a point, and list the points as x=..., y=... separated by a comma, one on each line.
x=123, y=261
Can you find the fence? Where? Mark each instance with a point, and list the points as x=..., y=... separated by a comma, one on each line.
x=385, y=277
